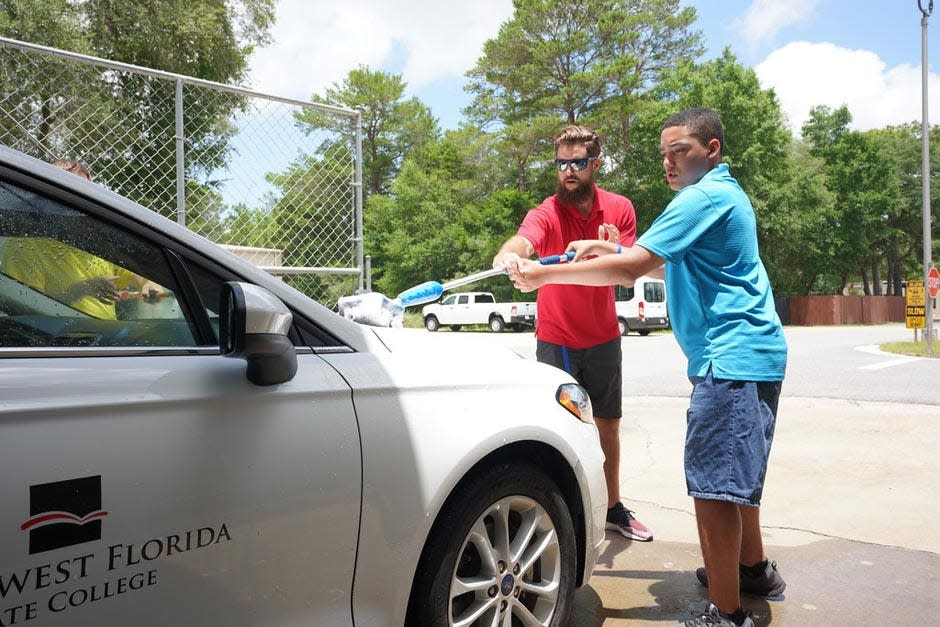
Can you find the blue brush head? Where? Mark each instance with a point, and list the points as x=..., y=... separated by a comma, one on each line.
x=426, y=292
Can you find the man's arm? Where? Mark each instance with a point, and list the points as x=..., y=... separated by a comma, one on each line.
x=514, y=249
x=623, y=268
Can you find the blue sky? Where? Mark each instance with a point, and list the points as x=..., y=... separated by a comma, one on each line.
x=863, y=53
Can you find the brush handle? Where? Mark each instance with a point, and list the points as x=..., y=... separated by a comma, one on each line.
x=472, y=278
x=546, y=261
x=429, y=291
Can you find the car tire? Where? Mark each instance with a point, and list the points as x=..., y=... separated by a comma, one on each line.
x=497, y=324
x=624, y=327
x=455, y=327
x=644, y=332
x=532, y=572
x=431, y=324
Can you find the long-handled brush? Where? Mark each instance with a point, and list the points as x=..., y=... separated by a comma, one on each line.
x=376, y=309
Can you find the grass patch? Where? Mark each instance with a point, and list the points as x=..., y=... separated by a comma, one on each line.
x=413, y=320
x=916, y=349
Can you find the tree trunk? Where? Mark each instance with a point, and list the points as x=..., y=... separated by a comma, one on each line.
x=866, y=290
x=875, y=277
x=896, y=278
x=520, y=174
x=809, y=285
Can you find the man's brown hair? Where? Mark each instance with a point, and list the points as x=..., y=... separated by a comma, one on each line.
x=73, y=166
x=580, y=135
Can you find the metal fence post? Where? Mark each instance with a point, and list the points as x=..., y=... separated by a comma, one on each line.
x=359, y=232
x=180, y=166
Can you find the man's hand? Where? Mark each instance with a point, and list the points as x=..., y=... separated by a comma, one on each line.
x=525, y=275
x=507, y=261
x=99, y=287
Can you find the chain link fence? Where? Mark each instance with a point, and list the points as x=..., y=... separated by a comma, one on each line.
x=276, y=180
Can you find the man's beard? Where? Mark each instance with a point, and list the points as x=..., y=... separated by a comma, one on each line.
x=583, y=193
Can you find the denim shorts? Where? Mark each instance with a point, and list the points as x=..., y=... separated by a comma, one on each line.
x=730, y=427
x=598, y=369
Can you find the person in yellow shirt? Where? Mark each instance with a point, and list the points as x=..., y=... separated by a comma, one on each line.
x=72, y=276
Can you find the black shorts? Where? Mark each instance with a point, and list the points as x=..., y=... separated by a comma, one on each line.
x=598, y=369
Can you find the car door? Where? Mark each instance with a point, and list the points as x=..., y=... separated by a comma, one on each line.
x=463, y=310
x=146, y=480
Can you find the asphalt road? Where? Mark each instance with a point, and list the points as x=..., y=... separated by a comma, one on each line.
x=824, y=362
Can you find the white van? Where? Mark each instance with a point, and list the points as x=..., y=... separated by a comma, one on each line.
x=642, y=308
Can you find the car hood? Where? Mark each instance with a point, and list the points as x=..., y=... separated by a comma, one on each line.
x=459, y=359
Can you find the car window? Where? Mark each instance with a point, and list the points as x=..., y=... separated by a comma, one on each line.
x=653, y=292
x=449, y=300
x=68, y=278
x=485, y=298
x=623, y=293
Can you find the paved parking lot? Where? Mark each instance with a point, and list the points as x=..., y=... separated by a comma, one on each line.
x=850, y=514
x=850, y=507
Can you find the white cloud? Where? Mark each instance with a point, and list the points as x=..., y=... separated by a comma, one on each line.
x=765, y=18
x=316, y=43
x=805, y=75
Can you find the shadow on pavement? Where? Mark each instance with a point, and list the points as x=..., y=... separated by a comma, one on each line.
x=829, y=582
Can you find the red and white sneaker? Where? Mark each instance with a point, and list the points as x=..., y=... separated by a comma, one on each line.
x=619, y=518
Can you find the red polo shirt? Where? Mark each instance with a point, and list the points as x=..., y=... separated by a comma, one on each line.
x=576, y=316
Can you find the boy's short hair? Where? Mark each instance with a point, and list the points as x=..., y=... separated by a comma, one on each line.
x=579, y=135
x=703, y=124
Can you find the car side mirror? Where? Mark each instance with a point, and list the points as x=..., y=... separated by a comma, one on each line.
x=253, y=325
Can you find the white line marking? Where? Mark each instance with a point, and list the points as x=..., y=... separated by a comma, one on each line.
x=874, y=350
x=886, y=364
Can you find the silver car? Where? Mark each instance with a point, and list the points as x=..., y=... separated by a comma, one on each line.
x=192, y=442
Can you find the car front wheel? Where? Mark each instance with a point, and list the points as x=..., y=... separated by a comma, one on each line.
x=502, y=552
x=431, y=323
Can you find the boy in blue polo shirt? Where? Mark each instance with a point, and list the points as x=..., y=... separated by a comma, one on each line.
x=722, y=311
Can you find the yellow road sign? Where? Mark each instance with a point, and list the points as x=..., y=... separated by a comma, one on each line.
x=915, y=314
x=915, y=293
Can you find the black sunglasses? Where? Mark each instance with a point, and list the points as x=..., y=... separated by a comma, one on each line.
x=576, y=164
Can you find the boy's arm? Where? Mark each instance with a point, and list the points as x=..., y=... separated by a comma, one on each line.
x=623, y=268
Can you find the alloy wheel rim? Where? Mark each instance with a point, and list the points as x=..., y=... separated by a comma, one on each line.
x=509, y=567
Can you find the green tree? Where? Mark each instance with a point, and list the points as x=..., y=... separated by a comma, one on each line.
x=392, y=126
x=866, y=191
x=441, y=222
x=587, y=61
x=120, y=123
x=901, y=146
x=310, y=219
x=756, y=138
x=794, y=240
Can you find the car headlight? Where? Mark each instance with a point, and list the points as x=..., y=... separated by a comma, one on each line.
x=575, y=399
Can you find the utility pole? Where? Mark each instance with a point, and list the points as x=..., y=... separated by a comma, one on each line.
x=925, y=167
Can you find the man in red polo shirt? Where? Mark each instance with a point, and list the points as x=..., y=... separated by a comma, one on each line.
x=577, y=326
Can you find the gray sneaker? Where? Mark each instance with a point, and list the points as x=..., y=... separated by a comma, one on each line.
x=711, y=617
x=769, y=584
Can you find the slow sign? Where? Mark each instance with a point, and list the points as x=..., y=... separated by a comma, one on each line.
x=915, y=313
